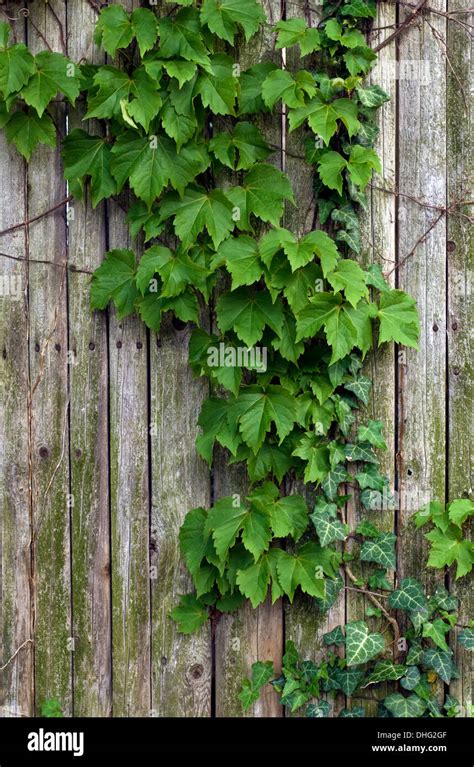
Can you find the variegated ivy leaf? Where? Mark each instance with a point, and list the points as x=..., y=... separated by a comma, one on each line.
x=380, y=550
x=440, y=661
x=333, y=588
x=320, y=709
x=328, y=527
x=378, y=580
x=443, y=599
x=361, y=452
x=334, y=637
x=405, y=707
x=356, y=712
x=409, y=597
x=411, y=678
x=371, y=478
x=466, y=638
x=348, y=680
x=361, y=388
x=436, y=631
x=385, y=671
x=367, y=529
x=372, y=432
x=333, y=479
x=361, y=645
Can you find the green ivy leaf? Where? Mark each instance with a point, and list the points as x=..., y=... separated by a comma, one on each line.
x=248, y=313
x=218, y=87
x=330, y=167
x=17, y=65
x=404, y=707
x=253, y=581
x=316, y=454
x=114, y=280
x=385, y=671
x=181, y=37
x=54, y=74
x=223, y=16
x=436, y=630
x=242, y=148
x=335, y=637
x=398, y=319
x=257, y=409
x=190, y=614
x=372, y=96
x=295, y=31
x=380, y=550
x=306, y=569
x=466, y=638
x=322, y=117
x=291, y=89
x=350, y=278
x=460, y=510
x=328, y=527
x=26, y=130
x=441, y=662
x=411, y=679
x=241, y=258
x=361, y=645
x=372, y=432
x=88, y=156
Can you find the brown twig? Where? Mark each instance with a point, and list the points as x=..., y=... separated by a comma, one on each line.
x=377, y=604
x=405, y=23
x=27, y=641
x=27, y=223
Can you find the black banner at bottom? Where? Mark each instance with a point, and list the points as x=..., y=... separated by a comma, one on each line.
x=85, y=741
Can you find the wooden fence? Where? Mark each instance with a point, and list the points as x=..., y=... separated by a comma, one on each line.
x=98, y=417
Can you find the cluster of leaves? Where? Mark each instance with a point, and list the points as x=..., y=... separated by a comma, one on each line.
x=356, y=661
x=448, y=538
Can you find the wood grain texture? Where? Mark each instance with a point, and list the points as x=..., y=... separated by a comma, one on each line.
x=421, y=375
x=249, y=635
x=460, y=248
x=89, y=454
x=181, y=665
x=49, y=378
x=378, y=229
x=16, y=680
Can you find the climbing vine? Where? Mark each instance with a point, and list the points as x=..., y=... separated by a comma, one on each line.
x=283, y=321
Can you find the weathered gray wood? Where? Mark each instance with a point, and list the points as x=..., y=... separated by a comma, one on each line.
x=181, y=665
x=421, y=375
x=249, y=635
x=49, y=379
x=130, y=498
x=88, y=374
x=379, y=246
x=16, y=680
x=460, y=249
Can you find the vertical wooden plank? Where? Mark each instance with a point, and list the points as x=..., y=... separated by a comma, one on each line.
x=16, y=680
x=378, y=229
x=304, y=624
x=460, y=247
x=129, y=489
x=249, y=635
x=89, y=427
x=49, y=379
x=421, y=375
x=181, y=665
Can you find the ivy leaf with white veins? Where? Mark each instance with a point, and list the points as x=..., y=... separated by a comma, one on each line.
x=150, y=163
x=16, y=67
x=466, y=639
x=399, y=706
x=335, y=637
x=26, y=130
x=385, y=671
x=322, y=117
x=361, y=388
x=350, y=278
x=372, y=432
x=197, y=210
x=87, y=156
x=333, y=479
x=372, y=96
x=190, y=614
x=328, y=527
x=411, y=678
x=361, y=645
x=181, y=36
x=257, y=409
x=248, y=312
x=409, y=597
x=114, y=280
x=266, y=189
x=295, y=31
x=223, y=16
x=54, y=74
x=241, y=258
x=440, y=661
x=380, y=550
x=242, y=148
x=218, y=88
x=291, y=89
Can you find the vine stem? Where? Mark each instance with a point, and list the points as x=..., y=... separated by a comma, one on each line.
x=379, y=605
x=17, y=651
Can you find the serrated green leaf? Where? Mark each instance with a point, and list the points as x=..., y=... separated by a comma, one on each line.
x=248, y=313
x=224, y=16
x=87, y=156
x=197, y=210
x=189, y=614
x=114, y=280
x=17, y=65
x=398, y=319
x=54, y=74
x=26, y=130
